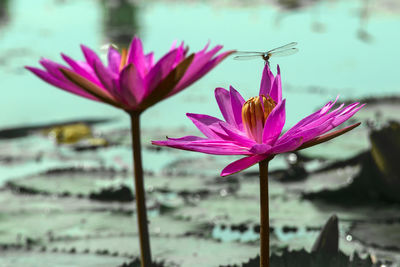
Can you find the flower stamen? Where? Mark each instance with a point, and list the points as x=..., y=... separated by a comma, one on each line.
x=255, y=114
x=124, y=57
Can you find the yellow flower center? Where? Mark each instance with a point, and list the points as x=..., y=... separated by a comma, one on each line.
x=255, y=112
x=124, y=56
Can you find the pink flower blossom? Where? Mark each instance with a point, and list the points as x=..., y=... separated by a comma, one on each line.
x=131, y=80
x=253, y=128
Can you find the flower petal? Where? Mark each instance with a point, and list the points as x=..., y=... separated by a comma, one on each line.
x=260, y=149
x=343, y=117
x=190, y=79
x=165, y=87
x=69, y=87
x=266, y=81
x=223, y=98
x=274, y=123
x=237, y=102
x=199, y=61
x=90, y=87
x=214, y=147
x=276, y=90
x=242, y=164
x=136, y=56
x=149, y=59
x=310, y=118
x=328, y=136
x=310, y=133
x=162, y=68
x=90, y=56
x=189, y=138
x=82, y=68
x=236, y=136
x=289, y=145
x=114, y=59
x=105, y=76
x=131, y=85
x=203, y=123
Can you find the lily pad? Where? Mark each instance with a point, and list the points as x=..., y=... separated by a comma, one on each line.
x=181, y=251
x=384, y=235
x=31, y=258
x=72, y=181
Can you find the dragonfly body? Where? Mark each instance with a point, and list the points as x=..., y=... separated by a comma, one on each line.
x=284, y=50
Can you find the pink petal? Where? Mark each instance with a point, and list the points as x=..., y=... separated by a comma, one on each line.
x=311, y=133
x=193, y=143
x=223, y=98
x=188, y=138
x=149, y=59
x=173, y=46
x=67, y=86
x=318, y=121
x=53, y=69
x=276, y=90
x=237, y=102
x=328, y=136
x=105, y=76
x=266, y=81
x=162, y=68
x=274, y=123
x=289, y=145
x=338, y=116
x=114, y=59
x=237, y=136
x=343, y=118
x=180, y=55
x=203, y=123
x=199, y=61
x=191, y=78
x=86, y=72
x=310, y=118
x=90, y=56
x=260, y=149
x=242, y=164
x=131, y=85
x=136, y=56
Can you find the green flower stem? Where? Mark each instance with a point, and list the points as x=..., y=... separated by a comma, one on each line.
x=140, y=193
x=264, y=214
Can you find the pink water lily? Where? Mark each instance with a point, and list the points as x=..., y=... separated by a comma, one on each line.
x=253, y=128
x=131, y=80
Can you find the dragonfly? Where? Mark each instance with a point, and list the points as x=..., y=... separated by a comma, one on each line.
x=284, y=50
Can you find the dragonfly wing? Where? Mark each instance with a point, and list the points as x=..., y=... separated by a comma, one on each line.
x=283, y=53
x=249, y=56
x=283, y=47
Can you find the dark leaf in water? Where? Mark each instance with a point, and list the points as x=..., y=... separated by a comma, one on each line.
x=328, y=240
x=303, y=258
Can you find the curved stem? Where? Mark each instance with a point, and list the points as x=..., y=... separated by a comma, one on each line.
x=145, y=253
x=264, y=214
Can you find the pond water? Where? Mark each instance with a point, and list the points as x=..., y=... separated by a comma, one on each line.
x=347, y=48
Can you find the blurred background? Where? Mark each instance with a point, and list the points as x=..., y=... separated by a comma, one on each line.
x=65, y=161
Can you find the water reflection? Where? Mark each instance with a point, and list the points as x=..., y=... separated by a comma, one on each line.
x=120, y=21
x=318, y=8
x=289, y=4
x=4, y=13
x=295, y=5
x=316, y=24
x=365, y=14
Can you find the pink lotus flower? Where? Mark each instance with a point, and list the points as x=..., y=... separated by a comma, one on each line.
x=131, y=80
x=253, y=128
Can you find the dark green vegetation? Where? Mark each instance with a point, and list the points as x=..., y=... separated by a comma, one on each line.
x=60, y=205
